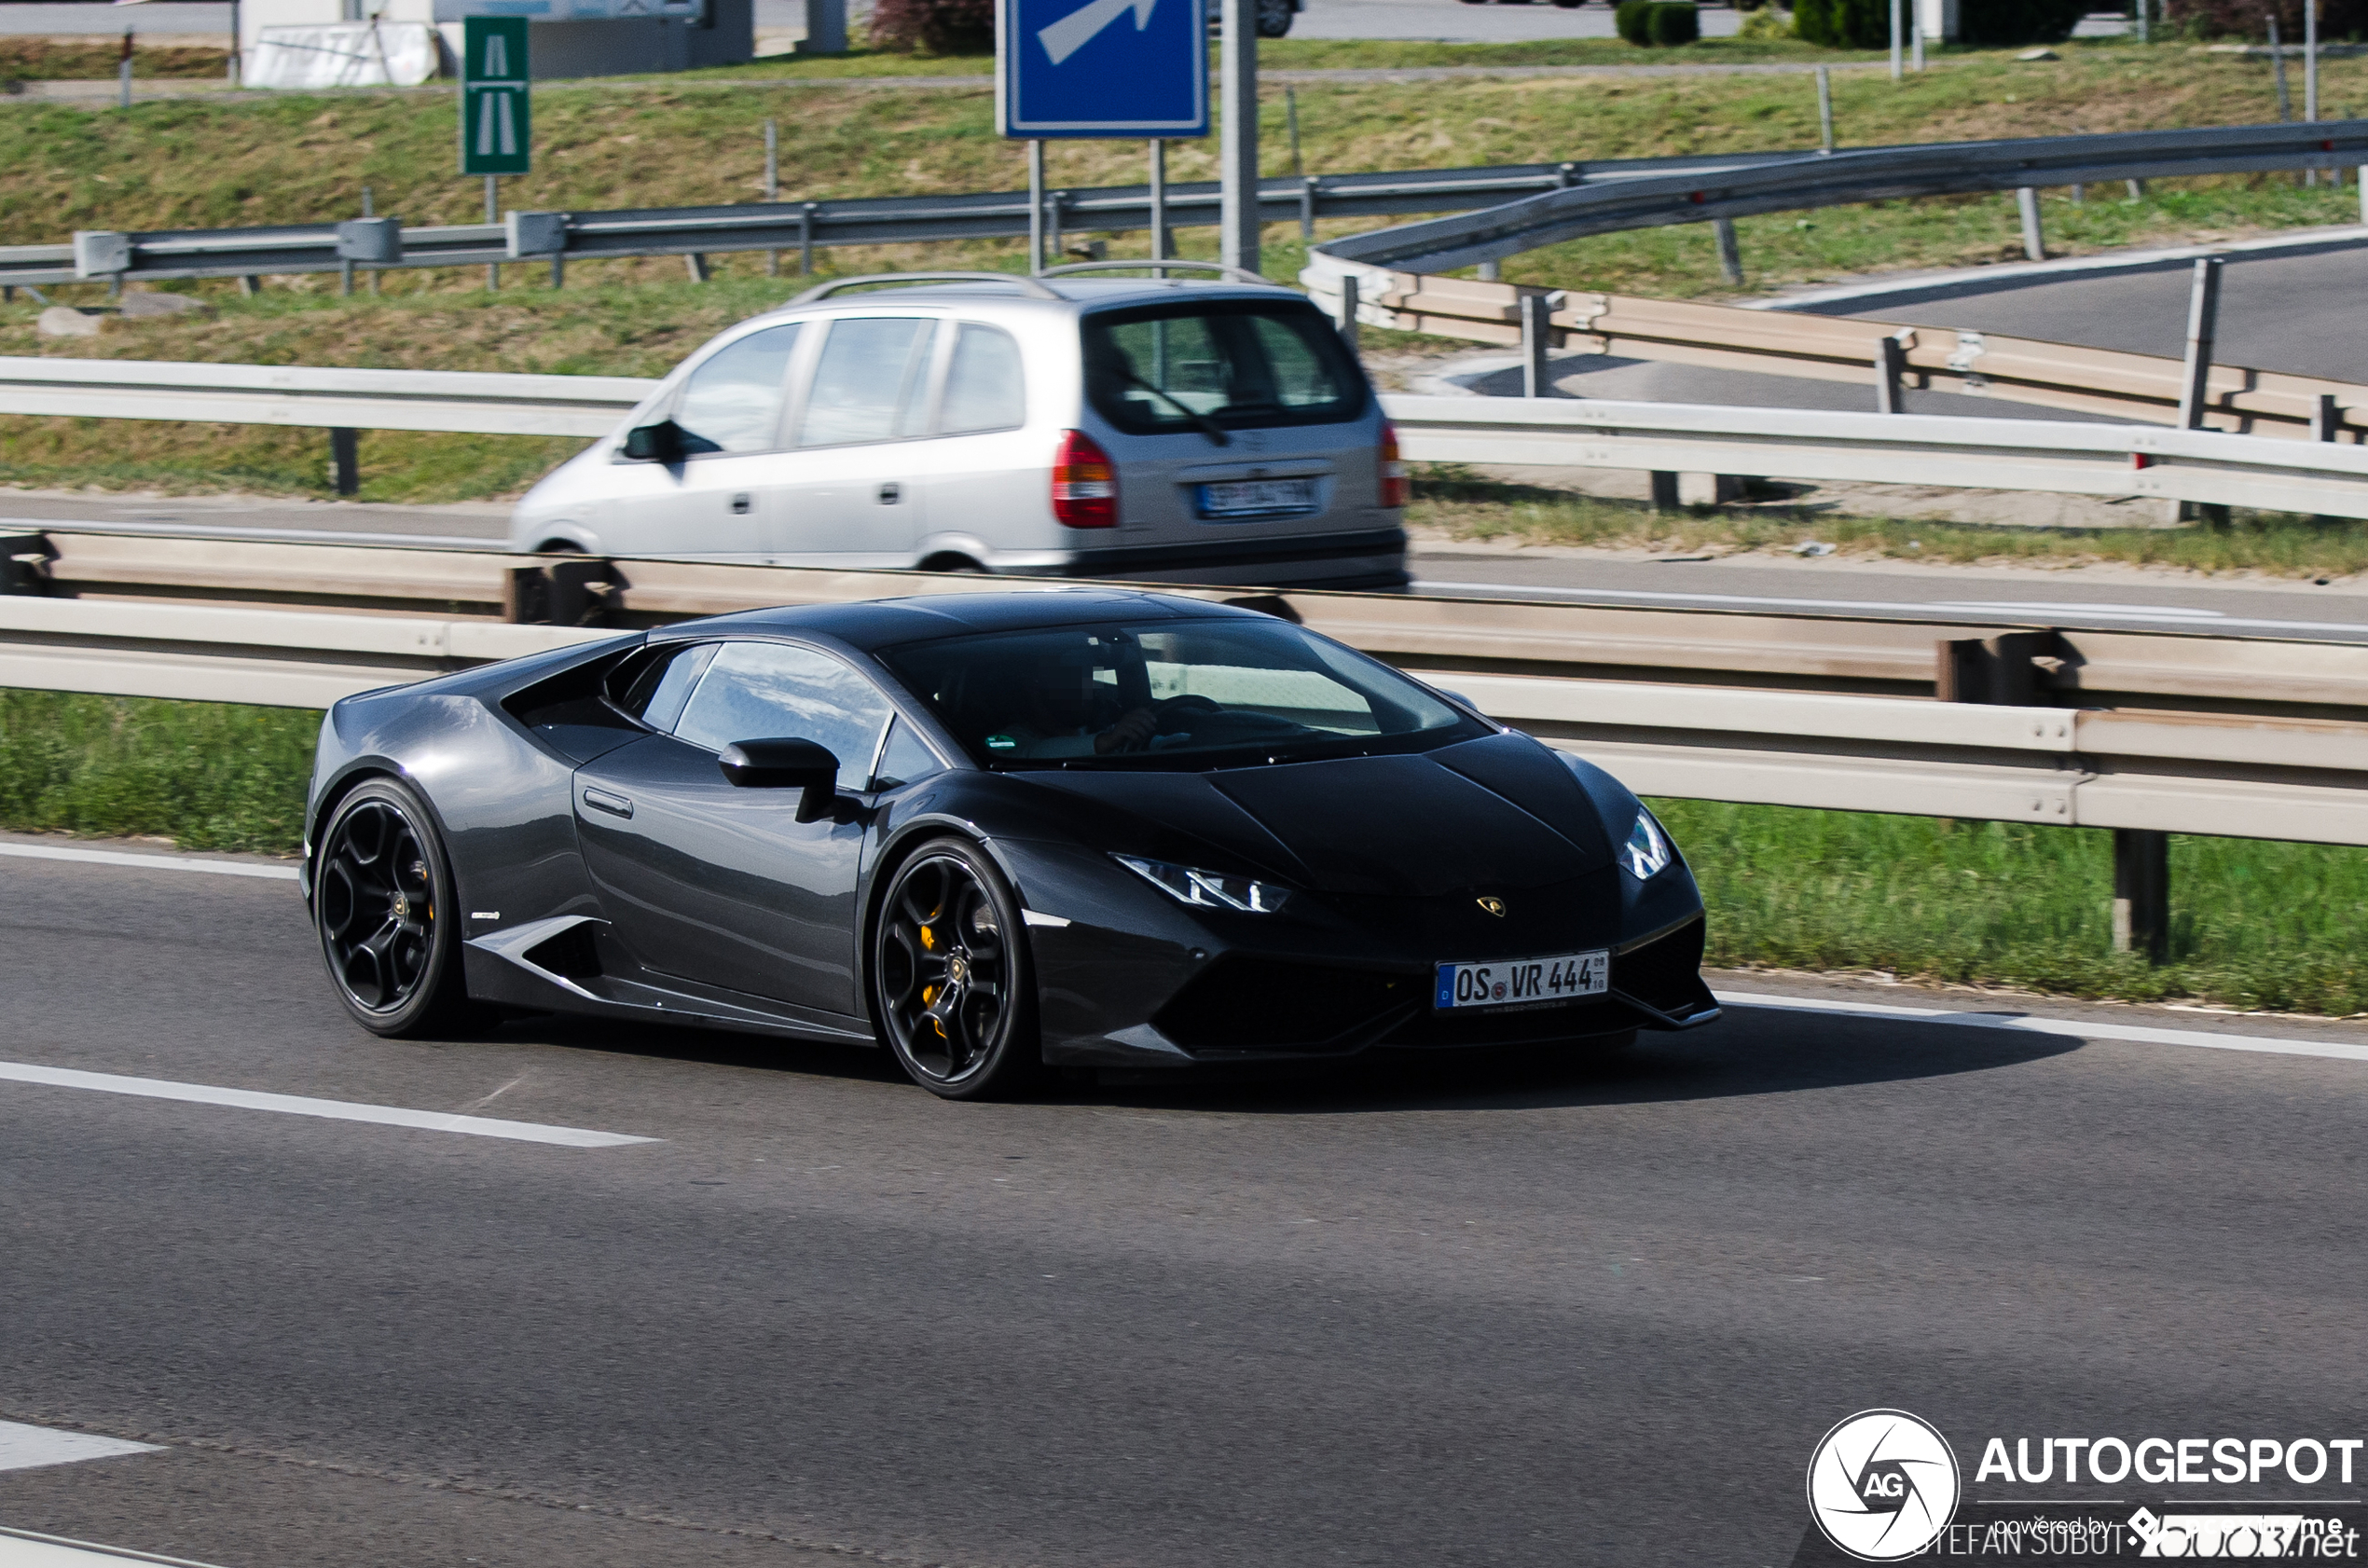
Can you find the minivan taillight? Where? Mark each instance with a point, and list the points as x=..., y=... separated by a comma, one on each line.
x=1393, y=471
x=1084, y=489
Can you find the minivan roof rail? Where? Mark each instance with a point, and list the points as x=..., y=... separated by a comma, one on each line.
x=1237, y=274
x=1024, y=284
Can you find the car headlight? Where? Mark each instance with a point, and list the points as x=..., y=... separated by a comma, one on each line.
x=1208, y=890
x=1647, y=850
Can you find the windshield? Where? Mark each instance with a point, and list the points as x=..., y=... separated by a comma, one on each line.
x=1236, y=362
x=1169, y=694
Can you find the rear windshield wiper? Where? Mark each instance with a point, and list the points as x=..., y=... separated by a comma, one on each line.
x=1206, y=426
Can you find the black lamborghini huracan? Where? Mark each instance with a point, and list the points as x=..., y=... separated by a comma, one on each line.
x=992, y=832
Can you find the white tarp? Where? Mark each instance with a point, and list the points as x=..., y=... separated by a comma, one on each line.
x=343, y=54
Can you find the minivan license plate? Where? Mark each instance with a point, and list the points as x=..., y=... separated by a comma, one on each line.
x=1258, y=498
x=1512, y=982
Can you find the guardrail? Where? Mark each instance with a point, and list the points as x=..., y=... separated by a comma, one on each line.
x=2262, y=775
x=2104, y=383
x=1872, y=174
x=1549, y=202
x=794, y=224
x=2200, y=466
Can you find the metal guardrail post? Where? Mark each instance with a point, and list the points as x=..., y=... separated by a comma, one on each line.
x=1537, y=337
x=1160, y=237
x=695, y=265
x=806, y=238
x=23, y=556
x=1348, y=313
x=2027, y=204
x=2142, y=893
x=1307, y=208
x=345, y=460
x=1664, y=490
x=1825, y=111
x=2203, y=325
x=1730, y=254
x=1891, y=369
x=2327, y=418
x=1053, y=205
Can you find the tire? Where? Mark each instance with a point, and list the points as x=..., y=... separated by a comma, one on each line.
x=952, y=994
x=1275, y=17
x=384, y=910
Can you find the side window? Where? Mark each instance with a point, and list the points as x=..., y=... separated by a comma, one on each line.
x=867, y=382
x=732, y=403
x=984, y=388
x=657, y=687
x=907, y=760
x=767, y=691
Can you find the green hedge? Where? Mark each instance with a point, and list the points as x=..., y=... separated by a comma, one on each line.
x=1651, y=23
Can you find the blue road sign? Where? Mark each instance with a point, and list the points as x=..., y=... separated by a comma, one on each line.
x=1101, y=68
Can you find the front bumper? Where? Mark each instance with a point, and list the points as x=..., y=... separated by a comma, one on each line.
x=1349, y=976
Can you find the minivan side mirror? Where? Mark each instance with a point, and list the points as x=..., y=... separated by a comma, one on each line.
x=785, y=764
x=659, y=443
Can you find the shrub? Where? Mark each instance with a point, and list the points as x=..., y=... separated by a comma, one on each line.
x=934, y=26
x=1843, y=24
x=1766, y=26
x=1998, y=22
x=2250, y=19
x=1628, y=20
x=1669, y=25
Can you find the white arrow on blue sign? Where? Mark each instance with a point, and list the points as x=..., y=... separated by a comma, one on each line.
x=1101, y=68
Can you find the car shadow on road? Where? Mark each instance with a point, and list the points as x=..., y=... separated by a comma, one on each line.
x=1750, y=1050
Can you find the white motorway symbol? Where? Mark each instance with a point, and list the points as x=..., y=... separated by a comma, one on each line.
x=1078, y=28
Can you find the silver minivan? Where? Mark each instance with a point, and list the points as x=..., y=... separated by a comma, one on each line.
x=1143, y=428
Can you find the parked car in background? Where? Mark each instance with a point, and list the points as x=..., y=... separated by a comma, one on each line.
x=1274, y=16
x=1144, y=429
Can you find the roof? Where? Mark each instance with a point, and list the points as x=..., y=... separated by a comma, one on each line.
x=876, y=623
x=1087, y=292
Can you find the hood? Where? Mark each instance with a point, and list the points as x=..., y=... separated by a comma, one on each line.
x=1498, y=812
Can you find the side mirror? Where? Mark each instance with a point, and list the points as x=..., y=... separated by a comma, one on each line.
x=785, y=764
x=659, y=443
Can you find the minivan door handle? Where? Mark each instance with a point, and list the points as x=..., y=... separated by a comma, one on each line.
x=890, y=493
x=600, y=800
x=740, y=505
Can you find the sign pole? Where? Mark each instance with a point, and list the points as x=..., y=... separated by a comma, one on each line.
x=1035, y=206
x=492, y=215
x=1159, y=199
x=1237, y=146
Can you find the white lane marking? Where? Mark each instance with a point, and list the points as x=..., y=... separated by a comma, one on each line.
x=23, y=1548
x=2273, y=1045
x=148, y=862
x=2149, y=611
x=1872, y=606
x=299, y=1104
x=26, y=1448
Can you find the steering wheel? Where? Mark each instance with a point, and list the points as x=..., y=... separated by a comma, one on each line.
x=1189, y=702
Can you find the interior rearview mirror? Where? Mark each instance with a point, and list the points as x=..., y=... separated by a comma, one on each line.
x=659, y=443
x=785, y=764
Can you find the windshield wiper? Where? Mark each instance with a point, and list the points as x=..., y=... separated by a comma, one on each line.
x=1207, y=426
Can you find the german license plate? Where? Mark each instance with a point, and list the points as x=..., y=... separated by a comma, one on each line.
x=1258, y=498
x=1520, y=982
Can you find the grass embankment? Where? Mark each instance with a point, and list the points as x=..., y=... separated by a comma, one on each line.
x=2274, y=544
x=57, y=60
x=664, y=141
x=2255, y=924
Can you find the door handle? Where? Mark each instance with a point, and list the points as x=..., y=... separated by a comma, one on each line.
x=740, y=505
x=890, y=493
x=600, y=800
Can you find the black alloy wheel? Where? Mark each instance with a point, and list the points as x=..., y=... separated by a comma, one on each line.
x=381, y=900
x=950, y=983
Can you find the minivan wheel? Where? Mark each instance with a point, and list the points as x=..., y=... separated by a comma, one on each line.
x=1273, y=17
x=960, y=564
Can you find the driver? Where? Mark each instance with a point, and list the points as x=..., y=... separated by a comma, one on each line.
x=1065, y=712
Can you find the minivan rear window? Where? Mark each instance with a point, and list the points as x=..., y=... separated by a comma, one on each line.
x=1237, y=363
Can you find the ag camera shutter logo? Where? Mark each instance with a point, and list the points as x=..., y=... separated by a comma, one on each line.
x=1883, y=1485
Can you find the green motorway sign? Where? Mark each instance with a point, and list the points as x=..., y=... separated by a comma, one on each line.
x=497, y=125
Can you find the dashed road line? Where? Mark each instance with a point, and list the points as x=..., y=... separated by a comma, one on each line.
x=25, y=1447
x=148, y=862
x=299, y=1104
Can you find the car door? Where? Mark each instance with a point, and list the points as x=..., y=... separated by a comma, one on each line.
x=979, y=481
x=714, y=503
x=851, y=497
x=722, y=886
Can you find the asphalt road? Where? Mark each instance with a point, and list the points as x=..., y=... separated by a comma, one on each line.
x=1456, y=1311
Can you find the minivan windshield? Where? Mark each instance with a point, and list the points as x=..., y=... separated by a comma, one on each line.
x=1171, y=694
x=1237, y=363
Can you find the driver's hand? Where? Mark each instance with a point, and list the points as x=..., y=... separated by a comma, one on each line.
x=1130, y=734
